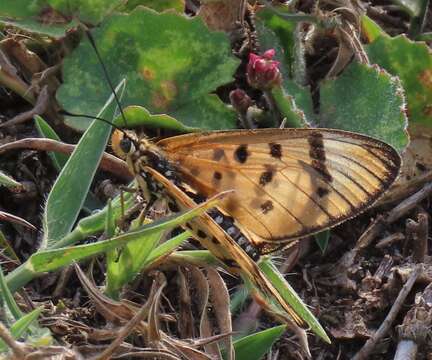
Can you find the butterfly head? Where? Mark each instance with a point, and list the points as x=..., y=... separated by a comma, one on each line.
x=129, y=147
x=124, y=143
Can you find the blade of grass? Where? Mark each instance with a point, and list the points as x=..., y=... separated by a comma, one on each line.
x=255, y=346
x=8, y=299
x=59, y=160
x=68, y=193
x=21, y=326
x=8, y=181
x=87, y=226
x=49, y=260
x=289, y=294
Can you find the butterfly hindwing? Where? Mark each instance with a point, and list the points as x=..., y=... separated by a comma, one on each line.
x=288, y=182
x=215, y=239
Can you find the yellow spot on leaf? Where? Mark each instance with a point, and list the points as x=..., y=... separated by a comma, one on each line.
x=147, y=73
x=165, y=95
x=425, y=78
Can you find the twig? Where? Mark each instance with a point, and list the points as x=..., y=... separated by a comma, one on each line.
x=388, y=240
x=39, y=108
x=367, y=348
x=4, y=216
x=409, y=203
x=417, y=233
x=108, y=162
x=17, y=349
x=395, y=214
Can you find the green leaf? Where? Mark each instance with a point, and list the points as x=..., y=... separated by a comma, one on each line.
x=9, y=182
x=88, y=226
x=366, y=100
x=412, y=63
x=59, y=160
x=158, y=5
x=8, y=299
x=21, y=326
x=50, y=260
x=278, y=34
x=413, y=7
x=124, y=264
x=140, y=116
x=165, y=248
x=171, y=63
x=87, y=11
x=71, y=187
x=370, y=29
x=255, y=346
x=322, y=239
x=36, y=27
x=33, y=16
x=46, y=131
x=289, y=294
x=293, y=100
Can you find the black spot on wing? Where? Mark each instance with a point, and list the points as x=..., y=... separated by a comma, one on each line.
x=217, y=176
x=241, y=154
x=267, y=176
x=267, y=206
x=230, y=263
x=318, y=155
x=322, y=191
x=275, y=150
x=201, y=234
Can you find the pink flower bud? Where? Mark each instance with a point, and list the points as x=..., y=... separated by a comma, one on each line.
x=240, y=100
x=262, y=72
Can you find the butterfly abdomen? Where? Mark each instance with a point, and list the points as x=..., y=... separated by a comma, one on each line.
x=224, y=221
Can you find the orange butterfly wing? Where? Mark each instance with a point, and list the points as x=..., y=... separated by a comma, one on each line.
x=222, y=246
x=288, y=183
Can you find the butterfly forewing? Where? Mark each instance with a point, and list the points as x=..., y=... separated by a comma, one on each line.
x=288, y=182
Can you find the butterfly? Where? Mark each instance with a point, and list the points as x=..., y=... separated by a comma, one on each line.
x=286, y=184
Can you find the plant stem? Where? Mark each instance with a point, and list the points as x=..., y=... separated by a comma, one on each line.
x=418, y=22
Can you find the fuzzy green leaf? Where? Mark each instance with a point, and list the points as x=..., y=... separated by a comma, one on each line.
x=45, y=130
x=412, y=63
x=366, y=100
x=71, y=187
x=140, y=116
x=171, y=63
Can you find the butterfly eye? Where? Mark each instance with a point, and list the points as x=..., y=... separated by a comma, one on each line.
x=126, y=145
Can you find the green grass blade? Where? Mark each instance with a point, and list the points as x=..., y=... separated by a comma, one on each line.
x=166, y=248
x=8, y=299
x=70, y=189
x=21, y=326
x=59, y=160
x=53, y=259
x=8, y=181
x=255, y=346
x=291, y=297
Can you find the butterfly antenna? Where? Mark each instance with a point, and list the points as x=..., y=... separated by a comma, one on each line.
x=67, y=113
x=108, y=79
